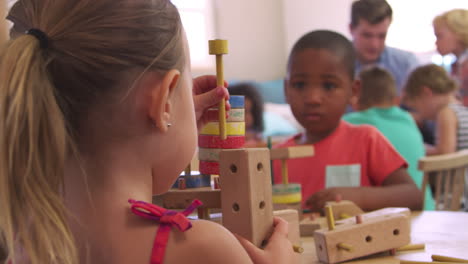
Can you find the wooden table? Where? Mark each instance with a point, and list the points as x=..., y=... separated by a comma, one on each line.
x=444, y=233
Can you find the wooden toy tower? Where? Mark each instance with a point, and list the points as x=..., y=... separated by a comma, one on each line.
x=245, y=194
x=241, y=171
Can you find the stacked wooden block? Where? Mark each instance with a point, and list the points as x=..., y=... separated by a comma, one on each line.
x=210, y=143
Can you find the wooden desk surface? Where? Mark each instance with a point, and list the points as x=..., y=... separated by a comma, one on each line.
x=444, y=233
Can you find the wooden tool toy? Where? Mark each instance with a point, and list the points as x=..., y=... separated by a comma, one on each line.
x=347, y=241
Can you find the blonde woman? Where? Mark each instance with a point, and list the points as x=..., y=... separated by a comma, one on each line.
x=451, y=31
x=97, y=107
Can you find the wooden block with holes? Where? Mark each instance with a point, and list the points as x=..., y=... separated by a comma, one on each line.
x=344, y=209
x=292, y=152
x=246, y=200
x=349, y=241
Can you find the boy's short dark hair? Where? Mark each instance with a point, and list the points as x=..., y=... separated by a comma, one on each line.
x=377, y=87
x=332, y=41
x=249, y=90
x=373, y=11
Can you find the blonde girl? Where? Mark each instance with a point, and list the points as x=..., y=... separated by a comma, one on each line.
x=96, y=107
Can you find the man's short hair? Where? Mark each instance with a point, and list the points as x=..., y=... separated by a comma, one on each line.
x=373, y=11
x=377, y=87
x=331, y=41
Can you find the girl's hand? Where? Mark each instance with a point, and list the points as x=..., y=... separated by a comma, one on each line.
x=206, y=95
x=278, y=250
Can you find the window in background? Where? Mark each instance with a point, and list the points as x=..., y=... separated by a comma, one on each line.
x=412, y=30
x=197, y=18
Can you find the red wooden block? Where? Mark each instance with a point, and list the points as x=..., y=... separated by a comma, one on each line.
x=231, y=142
x=209, y=167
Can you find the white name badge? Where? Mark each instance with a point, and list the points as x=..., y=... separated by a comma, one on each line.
x=343, y=176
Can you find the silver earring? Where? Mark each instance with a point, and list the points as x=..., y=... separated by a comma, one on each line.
x=169, y=124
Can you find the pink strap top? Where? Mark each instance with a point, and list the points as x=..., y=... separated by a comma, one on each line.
x=167, y=219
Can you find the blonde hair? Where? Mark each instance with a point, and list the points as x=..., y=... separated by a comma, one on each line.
x=457, y=21
x=377, y=87
x=432, y=76
x=47, y=93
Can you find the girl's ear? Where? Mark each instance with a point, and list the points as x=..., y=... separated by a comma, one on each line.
x=160, y=103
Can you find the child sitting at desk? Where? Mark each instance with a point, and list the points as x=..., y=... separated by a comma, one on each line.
x=356, y=162
x=431, y=92
x=377, y=106
x=97, y=107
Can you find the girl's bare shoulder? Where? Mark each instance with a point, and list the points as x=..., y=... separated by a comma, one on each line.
x=206, y=242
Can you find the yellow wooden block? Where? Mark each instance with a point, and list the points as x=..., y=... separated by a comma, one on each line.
x=218, y=46
x=287, y=198
x=292, y=152
x=232, y=129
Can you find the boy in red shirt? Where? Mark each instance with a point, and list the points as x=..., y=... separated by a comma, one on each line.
x=356, y=162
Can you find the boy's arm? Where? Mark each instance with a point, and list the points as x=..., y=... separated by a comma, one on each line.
x=397, y=190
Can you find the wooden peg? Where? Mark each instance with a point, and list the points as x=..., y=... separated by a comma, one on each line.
x=330, y=218
x=423, y=262
x=448, y=259
x=344, y=246
x=411, y=247
x=298, y=249
x=284, y=171
x=338, y=198
x=358, y=219
x=219, y=47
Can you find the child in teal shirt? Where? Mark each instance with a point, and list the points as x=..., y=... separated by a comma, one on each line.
x=377, y=106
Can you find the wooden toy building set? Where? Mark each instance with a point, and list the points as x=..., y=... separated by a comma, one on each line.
x=244, y=193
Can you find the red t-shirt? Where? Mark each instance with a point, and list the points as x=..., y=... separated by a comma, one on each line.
x=350, y=156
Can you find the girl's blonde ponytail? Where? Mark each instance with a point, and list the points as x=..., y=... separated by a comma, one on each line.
x=33, y=145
